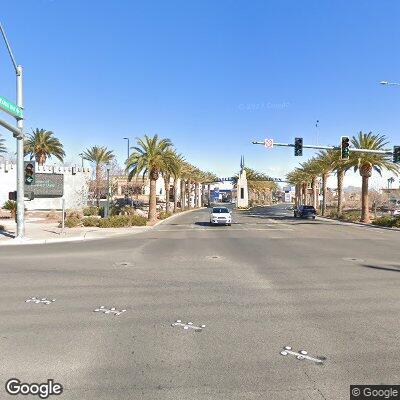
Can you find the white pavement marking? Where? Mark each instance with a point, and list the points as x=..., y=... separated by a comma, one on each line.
x=112, y=310
x=227, y=229
x=38, y=300
x=301, y=355
x=189, y=325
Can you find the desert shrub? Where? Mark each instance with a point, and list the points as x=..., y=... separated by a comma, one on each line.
x=72, y=222
x=164, y=214
x=91, y=221
x=127, y=210
x=2, y=228
x=138, y=220
x=396, y=223
x=91, y=211
x=74, y=214
x=115, y=221
x=115, y=209
x=11, y=206
x=334, y=214
x=386, y=221
x=351, y=216
x=122, y=221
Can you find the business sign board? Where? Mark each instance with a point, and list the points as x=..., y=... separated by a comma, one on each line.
x=46, y=185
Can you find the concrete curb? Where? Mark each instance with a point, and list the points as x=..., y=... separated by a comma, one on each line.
x=339, y=222
x=84, y=237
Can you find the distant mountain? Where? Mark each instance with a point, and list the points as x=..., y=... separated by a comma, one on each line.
x=352, y=189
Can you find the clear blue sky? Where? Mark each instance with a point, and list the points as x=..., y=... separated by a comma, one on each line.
x=210, y=75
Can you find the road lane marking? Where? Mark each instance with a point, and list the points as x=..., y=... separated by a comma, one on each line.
x=106, y=310
x=38, y=300
x=188, y=326
x=301, y=355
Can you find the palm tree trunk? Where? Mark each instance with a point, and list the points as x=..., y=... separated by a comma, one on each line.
x=364, y=200
x=152, y=199
x=41, y=158
x=97, y=188
x=340, y=179
x=183, y=194
x=297, y=196
x=196, y=194
x=167, y=190
x=304, y=193
x=189, y=191
x=175, y=194
x=324, y=179
x=314, y=192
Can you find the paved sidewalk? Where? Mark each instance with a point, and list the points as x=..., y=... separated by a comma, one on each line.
x=50, y=232
x=38, y=230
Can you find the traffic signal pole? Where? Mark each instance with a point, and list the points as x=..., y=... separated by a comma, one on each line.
x=19, y=135
x=20, y=160
x=313, y=146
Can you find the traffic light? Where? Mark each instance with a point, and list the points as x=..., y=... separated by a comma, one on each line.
x=298, y=146
x=396, y=154
x=29, y=172
x=345, y=147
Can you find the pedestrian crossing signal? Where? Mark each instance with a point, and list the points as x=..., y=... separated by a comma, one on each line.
x=29, y=173
x=345, y=147
x=298, y=146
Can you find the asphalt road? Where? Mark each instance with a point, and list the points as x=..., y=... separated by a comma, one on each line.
x=266, y=282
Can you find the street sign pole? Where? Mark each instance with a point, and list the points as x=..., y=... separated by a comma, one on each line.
x=20, y=140
x=20, y=160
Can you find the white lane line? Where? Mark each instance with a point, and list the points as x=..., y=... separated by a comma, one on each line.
x=301, y=355
x=188, y=326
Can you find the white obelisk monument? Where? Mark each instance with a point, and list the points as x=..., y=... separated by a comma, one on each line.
x=242, y=194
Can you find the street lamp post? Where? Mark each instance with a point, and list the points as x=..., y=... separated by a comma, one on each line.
x=20, y=142
x=107, y=209
x=127, y=174
x=81, y=155
x=127, y=139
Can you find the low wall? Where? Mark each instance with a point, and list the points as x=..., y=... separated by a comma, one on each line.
x=76, y=185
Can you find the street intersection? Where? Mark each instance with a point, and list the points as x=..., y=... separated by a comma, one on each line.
x=265, y=283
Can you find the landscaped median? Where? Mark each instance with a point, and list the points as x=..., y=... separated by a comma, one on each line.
x=354, y=217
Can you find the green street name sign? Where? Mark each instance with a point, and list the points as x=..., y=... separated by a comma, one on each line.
x=11, y=108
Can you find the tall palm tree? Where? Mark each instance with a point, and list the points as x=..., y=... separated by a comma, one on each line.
x=169, y=170
x=209, y=179
x=177, y=174
x=340, y=166
x=150, y=157
x=325, y=163
x=42, y=144
x=3, y=148
x=99, y=156
x=310, y=169
x=365, y=163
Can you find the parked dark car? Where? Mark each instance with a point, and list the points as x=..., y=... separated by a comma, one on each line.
x=305, y=212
